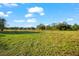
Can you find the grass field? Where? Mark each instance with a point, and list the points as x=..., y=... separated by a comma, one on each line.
x=45, y=43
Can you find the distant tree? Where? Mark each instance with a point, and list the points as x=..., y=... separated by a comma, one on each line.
x=54, y=26
x=48, y=27
x=75, y=27
x=2, y=24
x=16, y=28
x=41, y=26
x=63, y=26
x=21, y=28
x=32, y=28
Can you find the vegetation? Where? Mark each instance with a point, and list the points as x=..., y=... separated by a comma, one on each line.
x=54, y=26
x=59, y=26
x=57, y=39
x=45, y=43
x=2, y=23
x=75, y=27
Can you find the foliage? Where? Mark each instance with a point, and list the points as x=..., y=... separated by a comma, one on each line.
x=45, y=43
x=2, y=23
x=75, y=27
x=41, y=26
x=59, y=26
x=63, y=26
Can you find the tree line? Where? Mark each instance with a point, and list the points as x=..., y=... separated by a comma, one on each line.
x=59, y=26
x=54, y=26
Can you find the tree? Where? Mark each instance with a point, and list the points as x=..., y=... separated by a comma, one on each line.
x=32, y=28
x=41, y=26
x=54, y=26
x=63, y=26
x=2, y=24
x=75, y=27
x=48, y=27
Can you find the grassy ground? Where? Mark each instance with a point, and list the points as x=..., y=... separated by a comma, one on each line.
x=46, y=43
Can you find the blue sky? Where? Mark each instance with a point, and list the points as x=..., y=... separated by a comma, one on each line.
x=32, y=14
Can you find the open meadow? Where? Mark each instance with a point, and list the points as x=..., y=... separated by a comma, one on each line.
x=44, y=43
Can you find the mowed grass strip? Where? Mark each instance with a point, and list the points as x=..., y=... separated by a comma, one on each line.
x=44, y=43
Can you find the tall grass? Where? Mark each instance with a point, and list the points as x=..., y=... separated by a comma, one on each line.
x=45, y=43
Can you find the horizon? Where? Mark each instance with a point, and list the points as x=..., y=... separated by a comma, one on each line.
x=33, y=14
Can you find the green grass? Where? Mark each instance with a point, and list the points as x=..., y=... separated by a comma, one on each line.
x=45, y=43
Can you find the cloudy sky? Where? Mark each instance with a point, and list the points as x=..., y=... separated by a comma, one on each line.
x=30, y=14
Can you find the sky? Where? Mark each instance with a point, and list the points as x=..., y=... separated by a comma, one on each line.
x=32, y=14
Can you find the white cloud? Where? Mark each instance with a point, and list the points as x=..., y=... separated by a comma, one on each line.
x=39, y=10
x=19, y=20
x=69, y=19
x=10, y=4
x=9, y=12
x=0, y=5
x=36, y=9
x=46, y=24
x=2, y=14
x=28, y=15
x=33, y=10
x=42, y=14
x=31, y=20
x=29, y=25
x=28, y=20
x=14, y=4
x=5, y=14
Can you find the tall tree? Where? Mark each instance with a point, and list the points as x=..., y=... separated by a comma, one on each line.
x=41, y=26
x=2, y=24
x=75, y=27
x=48, y=27
x=63, y=26
x=54, y=26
